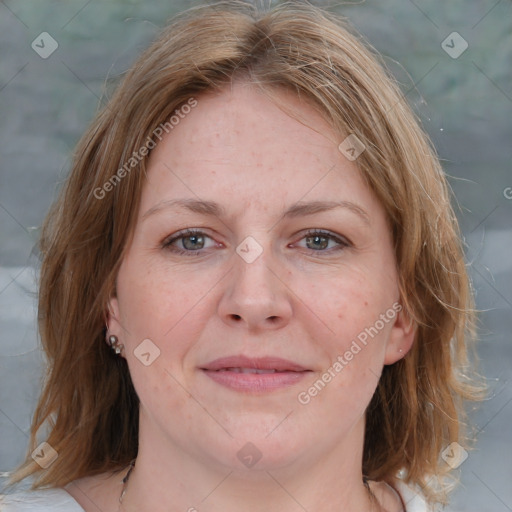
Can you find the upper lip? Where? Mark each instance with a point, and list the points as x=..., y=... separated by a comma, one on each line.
x=260, y=363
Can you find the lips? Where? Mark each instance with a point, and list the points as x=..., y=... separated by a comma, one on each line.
x=254, y=375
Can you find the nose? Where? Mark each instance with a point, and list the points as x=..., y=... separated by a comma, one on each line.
x=255, y=295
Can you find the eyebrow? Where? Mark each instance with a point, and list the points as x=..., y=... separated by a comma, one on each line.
x=299, y=209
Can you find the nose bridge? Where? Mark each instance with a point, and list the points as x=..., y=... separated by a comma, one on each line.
x=253, y=274
x=255, y=295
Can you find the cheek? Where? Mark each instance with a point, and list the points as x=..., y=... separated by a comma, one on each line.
x=156, y=305
x=348, y=303
x=156, y=299
x=352, y=306
x=158, y=389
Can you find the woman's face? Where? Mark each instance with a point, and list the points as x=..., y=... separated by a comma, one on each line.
x=258, y=241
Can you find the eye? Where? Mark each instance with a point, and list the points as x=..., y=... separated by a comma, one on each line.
x=189, y=242
x=192, y=242
x=323, y=241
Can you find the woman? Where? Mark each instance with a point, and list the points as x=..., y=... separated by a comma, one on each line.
x=253, y=293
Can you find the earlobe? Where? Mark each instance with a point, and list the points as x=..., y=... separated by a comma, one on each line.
x=401, y=337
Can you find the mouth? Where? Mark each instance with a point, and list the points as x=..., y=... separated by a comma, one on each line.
x=254, y=375
x=245, y=364
x=251, y=370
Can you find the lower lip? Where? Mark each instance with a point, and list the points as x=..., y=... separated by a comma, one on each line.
x=255, y=382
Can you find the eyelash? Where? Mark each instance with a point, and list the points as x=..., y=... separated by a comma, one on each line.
x=167, y=244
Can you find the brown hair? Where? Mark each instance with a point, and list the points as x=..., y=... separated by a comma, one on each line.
x=88, y=397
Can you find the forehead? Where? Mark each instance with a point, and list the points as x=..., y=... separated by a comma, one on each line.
x=239, y=147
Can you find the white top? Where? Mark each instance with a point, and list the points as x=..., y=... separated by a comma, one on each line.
x=58, y=500
x=45, y=500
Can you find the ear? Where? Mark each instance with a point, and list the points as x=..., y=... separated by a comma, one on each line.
x=113, y=317
x=401, y=337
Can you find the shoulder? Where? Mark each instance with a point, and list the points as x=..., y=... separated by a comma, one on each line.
x=412, y=499
x=41, y=500
x=398, y=497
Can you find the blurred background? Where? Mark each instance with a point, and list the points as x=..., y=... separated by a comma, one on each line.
x=454, y=63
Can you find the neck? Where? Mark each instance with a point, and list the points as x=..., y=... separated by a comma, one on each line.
x=329, y=481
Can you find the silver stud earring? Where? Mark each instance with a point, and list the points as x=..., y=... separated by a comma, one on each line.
x=114, y=344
